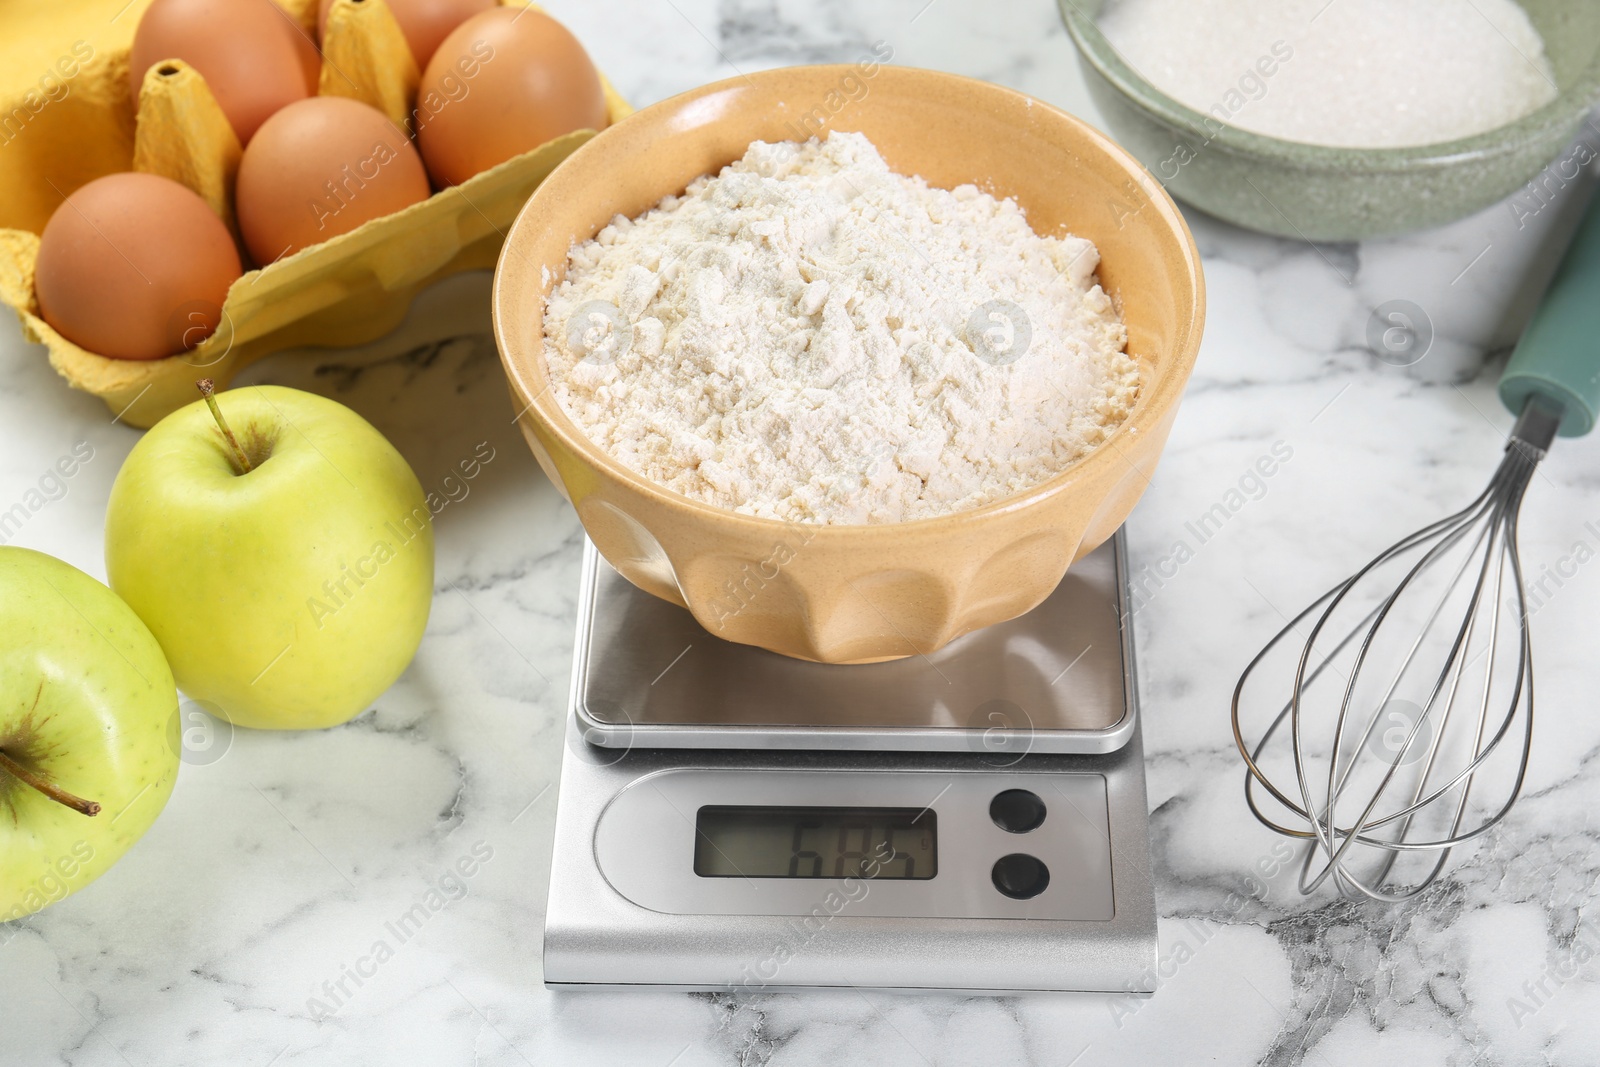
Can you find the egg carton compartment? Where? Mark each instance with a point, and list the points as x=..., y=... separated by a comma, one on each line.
x=68, y=116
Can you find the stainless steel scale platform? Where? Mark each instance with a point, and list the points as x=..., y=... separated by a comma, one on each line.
x=731, y=819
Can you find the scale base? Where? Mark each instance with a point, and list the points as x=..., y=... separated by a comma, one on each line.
x=667, y=723
x=596, y=937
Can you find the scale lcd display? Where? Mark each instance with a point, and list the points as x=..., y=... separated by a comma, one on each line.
x=772, y=842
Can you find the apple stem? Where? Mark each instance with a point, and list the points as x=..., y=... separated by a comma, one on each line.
x=47, y=787
x=208, y=389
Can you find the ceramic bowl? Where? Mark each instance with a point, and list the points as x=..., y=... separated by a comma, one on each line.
x=856, y=594
x=1338, y=194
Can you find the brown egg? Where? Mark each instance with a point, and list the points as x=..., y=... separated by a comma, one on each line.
x=134, y=266
x=425, y=23
x=254, y=57
x=319, y=168
x=503, y=83
x=306, y=51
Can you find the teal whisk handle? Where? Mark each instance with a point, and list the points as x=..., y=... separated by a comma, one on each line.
x=1558, y=358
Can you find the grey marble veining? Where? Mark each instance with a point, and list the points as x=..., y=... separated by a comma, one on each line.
x=299, y=901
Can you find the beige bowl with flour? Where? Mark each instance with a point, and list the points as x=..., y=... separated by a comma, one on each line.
x=860, y=594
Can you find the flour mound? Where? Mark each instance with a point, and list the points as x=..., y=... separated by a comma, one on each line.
x=810, y=337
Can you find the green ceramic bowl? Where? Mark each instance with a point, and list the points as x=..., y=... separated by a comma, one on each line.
x=1338, y=194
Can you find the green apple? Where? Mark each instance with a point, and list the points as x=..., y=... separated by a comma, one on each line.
x=281, y=551
x=87, y=710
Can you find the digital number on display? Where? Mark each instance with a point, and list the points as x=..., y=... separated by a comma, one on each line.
x=775, y=842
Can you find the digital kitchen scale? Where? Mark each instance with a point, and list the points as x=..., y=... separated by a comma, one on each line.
x=732, y=819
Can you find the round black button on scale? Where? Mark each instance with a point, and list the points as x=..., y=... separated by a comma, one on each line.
x=1020, y=876
x=1016, y=811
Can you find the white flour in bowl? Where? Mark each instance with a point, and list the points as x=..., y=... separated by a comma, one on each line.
x=807, y=336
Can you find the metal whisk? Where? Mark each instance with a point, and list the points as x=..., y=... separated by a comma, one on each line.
x=1409, y=707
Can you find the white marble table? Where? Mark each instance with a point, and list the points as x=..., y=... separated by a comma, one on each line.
x=275, y=868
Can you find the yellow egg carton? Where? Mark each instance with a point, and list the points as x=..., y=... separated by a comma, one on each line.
x=67, y=117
